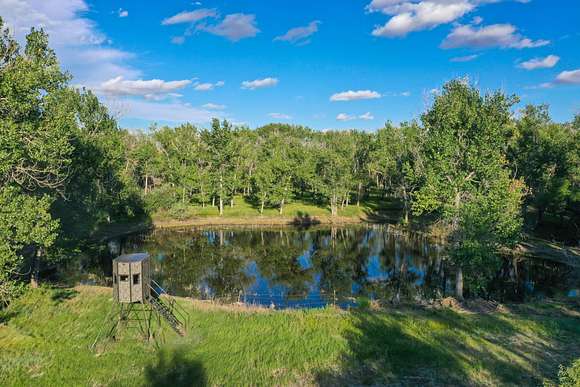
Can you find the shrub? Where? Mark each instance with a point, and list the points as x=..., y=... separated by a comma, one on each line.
x=570, y=377
x=163, y=197
x=181, y=211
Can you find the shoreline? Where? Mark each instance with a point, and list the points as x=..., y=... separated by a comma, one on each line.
x=259, y=221
x=474, y=306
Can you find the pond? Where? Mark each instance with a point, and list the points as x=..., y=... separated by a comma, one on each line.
x=303, y=268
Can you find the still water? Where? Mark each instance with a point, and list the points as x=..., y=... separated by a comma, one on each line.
x=298, y=268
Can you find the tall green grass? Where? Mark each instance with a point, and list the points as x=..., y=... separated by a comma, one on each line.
x=45, y=338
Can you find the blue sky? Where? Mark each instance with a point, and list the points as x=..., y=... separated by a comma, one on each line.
x=324, y=64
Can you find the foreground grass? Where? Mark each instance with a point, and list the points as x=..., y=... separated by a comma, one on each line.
x=45, y=338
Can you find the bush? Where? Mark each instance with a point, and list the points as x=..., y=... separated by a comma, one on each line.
x=567, y=377
x=570, y=377
x=181, y=211
x=163, y=197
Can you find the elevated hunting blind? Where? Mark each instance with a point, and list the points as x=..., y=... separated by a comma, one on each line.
x=138, y=300
x=131, y=278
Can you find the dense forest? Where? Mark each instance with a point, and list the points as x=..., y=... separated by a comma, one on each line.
x=473, y=163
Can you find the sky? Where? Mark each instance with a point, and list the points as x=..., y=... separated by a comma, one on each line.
x=319, y=63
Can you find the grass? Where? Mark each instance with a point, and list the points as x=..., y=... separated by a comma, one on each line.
x=45, y=338
x=246, y=209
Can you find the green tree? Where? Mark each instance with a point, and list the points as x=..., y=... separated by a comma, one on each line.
x=467, y=182
x=26, y=231
x=397, y=162
x=264, y=180
x=334, y=173
x=61, y=161
x=545, y=156
x=179, y=152
x=36, y=147
x=220, y=147
x=363, y=145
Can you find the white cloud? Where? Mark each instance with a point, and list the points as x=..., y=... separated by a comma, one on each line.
x=154, y=89
x=540, y=63
x=461, y=59
x=190, y=17
x=477, y=20
x=416, y=16
x=299, y=35
x=396, y=94
x=280, y=116
x=345, y=117
x=355, y=95
x=349, y=117
x=495, y=35
x=178, y=39
x=380, y=5
x=206, y=86
x=234, y=27
x=259, y=83
x=97, y=55
x=569, y=77
x=367, y=116
x=213, y=106
x=61, y=19
x=81, y=47
x=545, y=85
x=123, y=12
x=156, y=111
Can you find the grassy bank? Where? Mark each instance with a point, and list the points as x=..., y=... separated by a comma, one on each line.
x=44, y=339
x=246, y=212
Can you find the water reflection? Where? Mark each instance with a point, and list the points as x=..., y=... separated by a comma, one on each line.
x=314, y=267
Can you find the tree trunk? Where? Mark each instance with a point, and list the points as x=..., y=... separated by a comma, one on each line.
x=359, y=193
x=333, y=205
x=261, y=207
x=213, y=201
x=281, y=206
x=406, y=204
x=232, y=202
x=146, y=183
x=35, y=275
x=221, y=198
x=459, y=283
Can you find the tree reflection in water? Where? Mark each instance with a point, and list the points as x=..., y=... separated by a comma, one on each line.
x=293, y=267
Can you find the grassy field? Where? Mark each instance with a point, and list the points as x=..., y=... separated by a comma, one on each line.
x=45, y=338
x=245, y=209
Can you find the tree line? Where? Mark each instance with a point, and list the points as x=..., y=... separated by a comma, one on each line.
x=468, y=163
